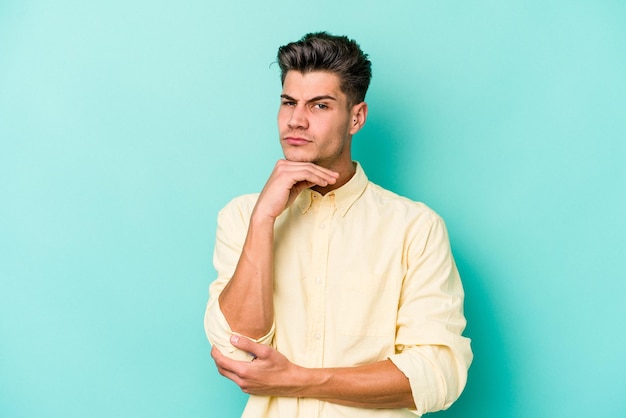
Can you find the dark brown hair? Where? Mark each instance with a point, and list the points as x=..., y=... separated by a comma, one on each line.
x=339, y=55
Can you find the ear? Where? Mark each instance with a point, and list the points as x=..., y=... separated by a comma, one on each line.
x=358, y=117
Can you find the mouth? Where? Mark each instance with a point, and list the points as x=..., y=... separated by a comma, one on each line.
x=296, y=140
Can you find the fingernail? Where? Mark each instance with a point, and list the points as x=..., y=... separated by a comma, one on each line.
x=234, y=339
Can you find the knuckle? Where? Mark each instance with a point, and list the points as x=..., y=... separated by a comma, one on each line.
x=244, y=374
x=263, y=351
x=280, y=168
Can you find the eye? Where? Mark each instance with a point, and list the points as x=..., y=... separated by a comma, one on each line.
x=320, y=106
x=288, y=103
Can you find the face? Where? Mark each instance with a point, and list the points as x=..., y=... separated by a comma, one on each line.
x=314, y=120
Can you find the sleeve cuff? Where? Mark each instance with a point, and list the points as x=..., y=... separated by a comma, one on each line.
x=219, y=332
x=427, y=386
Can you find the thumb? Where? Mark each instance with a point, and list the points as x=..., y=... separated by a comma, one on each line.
x=244, y=344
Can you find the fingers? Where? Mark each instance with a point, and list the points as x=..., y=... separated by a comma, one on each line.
x=306, y=172
x=249, y=346
x=221, y=361
x=225, y=366
x=239, y=372
x=269, y=374
x=286, y=182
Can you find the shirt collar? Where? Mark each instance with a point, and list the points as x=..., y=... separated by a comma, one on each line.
x=344, y=197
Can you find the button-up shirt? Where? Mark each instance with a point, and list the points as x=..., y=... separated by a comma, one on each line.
x=360, y=275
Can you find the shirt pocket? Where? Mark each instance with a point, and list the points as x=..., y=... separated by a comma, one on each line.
x=367, y=304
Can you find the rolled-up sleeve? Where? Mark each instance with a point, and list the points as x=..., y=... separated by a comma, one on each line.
x=232, y=227
x=430, y=348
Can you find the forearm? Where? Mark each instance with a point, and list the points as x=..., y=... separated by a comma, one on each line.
x=376, y=385
x=247, y=299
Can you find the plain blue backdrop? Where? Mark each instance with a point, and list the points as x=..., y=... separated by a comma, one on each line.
x=126, y=125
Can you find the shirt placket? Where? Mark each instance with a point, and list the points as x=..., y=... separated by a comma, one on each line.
x=318, y=277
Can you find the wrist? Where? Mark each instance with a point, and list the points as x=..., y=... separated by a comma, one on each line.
x=312, y=382
x=259, y=218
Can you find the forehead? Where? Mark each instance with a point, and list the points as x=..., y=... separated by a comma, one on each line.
x=308, y=85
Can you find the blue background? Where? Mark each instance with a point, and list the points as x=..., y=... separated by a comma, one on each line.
x=126, y=125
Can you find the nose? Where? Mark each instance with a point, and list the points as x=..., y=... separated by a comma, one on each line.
x=297, y=118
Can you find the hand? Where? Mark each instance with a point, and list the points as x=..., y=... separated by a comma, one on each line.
x=376, y=385
x=287, y=181
x=269, y=374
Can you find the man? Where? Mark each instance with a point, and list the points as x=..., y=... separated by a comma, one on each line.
x=334, y=297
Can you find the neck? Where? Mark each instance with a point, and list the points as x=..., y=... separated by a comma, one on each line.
x=344, y=176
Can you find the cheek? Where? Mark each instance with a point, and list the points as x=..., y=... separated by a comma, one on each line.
x=282, y=116
x=341, y=130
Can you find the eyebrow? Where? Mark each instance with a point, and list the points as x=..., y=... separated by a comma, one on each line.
x=313, y=99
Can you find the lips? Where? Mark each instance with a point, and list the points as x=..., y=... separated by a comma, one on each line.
x=295, y=140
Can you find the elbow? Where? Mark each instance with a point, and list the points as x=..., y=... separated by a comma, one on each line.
x=453, y=375
x=437, y=375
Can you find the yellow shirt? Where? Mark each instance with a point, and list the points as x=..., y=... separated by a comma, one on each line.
x=361, y=275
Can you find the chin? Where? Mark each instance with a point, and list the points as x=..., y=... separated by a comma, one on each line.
x=298, y=157
x=299, y=160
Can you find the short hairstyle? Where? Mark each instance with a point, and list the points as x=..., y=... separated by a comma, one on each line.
x=340, y=55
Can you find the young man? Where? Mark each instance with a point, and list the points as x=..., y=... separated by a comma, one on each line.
x=334, y=297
